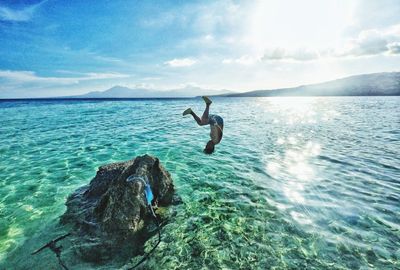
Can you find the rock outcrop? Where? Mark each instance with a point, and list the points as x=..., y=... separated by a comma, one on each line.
x=110, y=215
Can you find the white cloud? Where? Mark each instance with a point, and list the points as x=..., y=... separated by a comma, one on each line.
x=275, y=54
x=151, y=78
x=228, y=61
x=209, y=37
x=301, y=54
x=31, y=77
x=243, y=60
x=107, y=59
x=182, y=62
x=7, y=14
x=367, y=43
x=373, y=42
x=370, y=42
x=99, y=76
x=394, y=48
x=269, y=32
x=22, y=15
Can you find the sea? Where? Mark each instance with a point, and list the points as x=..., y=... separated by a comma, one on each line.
x=296, y=182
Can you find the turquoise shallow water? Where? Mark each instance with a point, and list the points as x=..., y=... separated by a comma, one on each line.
x=296, y=182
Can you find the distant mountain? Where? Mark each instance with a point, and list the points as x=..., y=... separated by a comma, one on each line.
x=125, y=92
x=376, y=84
x=118, y=92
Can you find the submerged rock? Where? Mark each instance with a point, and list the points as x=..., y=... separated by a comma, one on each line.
x=110, y=215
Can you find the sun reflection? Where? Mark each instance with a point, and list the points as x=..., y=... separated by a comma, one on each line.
x=292, y=140
x=295, y=171
x=294, y=195
x=273, y=168
x=295, y=162
x=302, y=171
x=280, y=141
x=293, y=165
x=299, y=103
x=296, y=110
x=300, y=218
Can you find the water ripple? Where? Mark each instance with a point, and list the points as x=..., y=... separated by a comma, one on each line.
x=297, y=183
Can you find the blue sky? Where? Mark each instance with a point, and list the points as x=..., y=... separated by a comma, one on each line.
x=55, y=48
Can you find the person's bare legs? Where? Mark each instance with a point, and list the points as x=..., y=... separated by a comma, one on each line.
x=198, y=120
x=204, y=118
x=189, y=111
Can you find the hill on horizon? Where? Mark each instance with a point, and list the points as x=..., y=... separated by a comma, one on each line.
x=374, y=84
x=126, y=92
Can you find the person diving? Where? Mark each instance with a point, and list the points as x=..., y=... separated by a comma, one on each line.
x=216, y=125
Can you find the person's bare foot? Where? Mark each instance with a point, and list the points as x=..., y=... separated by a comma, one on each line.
x=207, y=100
x=187, y=111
